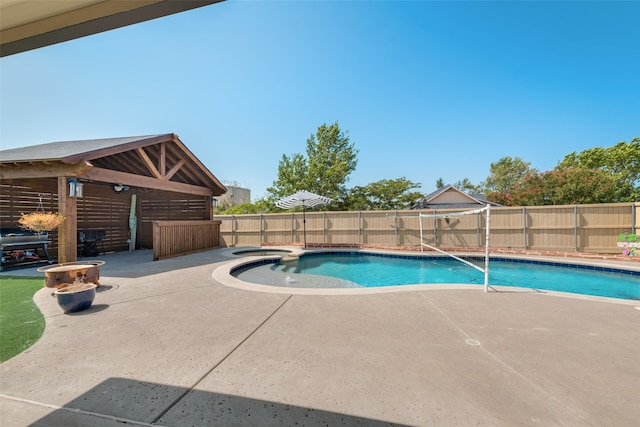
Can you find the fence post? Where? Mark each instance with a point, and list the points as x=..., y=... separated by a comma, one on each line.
x=233, y=229
x=524, y=227
x=395, y=226
x=435, y=228
x=261, y=223
x=478, y=230
x=324, y=228
x=575, y=228
x=292, y=232
x=360, y=227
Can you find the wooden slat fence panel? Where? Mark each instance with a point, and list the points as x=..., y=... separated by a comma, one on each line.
x=248, y=230
x=100, y=210
x=462, y=231
x=176, y=238
x=342, y=227
x=600, y=225
x=18, y=199
x=163, y=209
x=315, y=227
x=507, y=228
x=379, y=228
x=551, y=227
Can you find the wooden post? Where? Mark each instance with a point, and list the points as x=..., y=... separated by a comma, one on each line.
x=208, y=208
x=68, y=231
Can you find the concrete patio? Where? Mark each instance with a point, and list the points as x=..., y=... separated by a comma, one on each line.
x=167, y=345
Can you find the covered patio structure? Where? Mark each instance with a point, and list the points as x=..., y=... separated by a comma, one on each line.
x=92, y=183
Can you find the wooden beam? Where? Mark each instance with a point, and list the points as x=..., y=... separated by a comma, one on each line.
x=163, y=161
x=209, y=207
x=68, y=230
x=152, y=168
x=46, y=185
x=43, y=170
x=119, y=148
x=174, y=169
x=115, y=177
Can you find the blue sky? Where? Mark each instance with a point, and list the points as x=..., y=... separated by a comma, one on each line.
x=426, y=90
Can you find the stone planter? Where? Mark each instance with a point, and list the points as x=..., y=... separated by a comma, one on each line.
x=75, y=297
x=59, y=275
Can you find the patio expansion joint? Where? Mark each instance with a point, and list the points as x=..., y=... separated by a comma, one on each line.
x=215, y=366
x=476, y=343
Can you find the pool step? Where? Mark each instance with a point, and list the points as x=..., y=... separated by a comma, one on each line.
x=291, y=257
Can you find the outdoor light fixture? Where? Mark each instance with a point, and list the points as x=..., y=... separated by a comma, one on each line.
x=75, y=187
x=118, y=188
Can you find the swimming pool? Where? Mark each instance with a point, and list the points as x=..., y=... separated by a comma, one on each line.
x=357, y=269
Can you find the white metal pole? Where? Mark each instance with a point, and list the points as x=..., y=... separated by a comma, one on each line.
x=486, y=250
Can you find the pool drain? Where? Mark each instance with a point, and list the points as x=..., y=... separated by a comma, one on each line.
x=472, y=342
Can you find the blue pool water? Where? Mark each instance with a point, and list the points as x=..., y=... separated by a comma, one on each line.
x=369, y=270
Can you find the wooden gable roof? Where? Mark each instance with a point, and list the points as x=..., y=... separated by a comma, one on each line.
x=156, y=162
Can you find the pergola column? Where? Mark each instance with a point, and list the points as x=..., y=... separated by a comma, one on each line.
x=68, y=230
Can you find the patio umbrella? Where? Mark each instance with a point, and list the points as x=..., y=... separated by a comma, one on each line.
x=305, y=199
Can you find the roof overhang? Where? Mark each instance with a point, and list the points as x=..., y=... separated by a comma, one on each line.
x=31, y=24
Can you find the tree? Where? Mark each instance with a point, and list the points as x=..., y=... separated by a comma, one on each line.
x=577, y=185
x=386, y=194
x=292, y=176
x=259, y=206
x=572, y=185
x=506, y=173
x=506, y=176
x=621, y=161
x=330, y=159
x=467, y=186
x=439, y=183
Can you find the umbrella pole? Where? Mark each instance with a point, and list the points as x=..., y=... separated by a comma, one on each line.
x=304, y=226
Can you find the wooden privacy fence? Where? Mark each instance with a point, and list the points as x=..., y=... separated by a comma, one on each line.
x=577, y=228
x=175, y=238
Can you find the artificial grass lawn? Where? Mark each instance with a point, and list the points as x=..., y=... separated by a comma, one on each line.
x=21, y=323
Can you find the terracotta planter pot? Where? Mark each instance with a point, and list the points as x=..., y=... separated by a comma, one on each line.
x=59, y=275
x=76, y=297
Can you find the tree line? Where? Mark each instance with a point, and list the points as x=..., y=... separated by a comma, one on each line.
x=596, y=175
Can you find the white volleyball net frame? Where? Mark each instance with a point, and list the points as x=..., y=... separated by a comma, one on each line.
x=485, y=269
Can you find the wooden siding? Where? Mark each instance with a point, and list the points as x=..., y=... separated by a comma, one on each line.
x=24, y=197
x=176, y=238
x=581, y=228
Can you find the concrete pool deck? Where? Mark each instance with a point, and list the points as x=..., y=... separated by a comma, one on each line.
x=166, y=344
